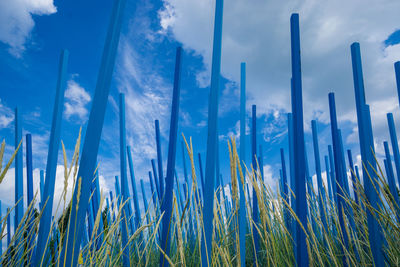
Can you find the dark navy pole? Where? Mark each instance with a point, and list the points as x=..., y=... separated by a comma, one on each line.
x=299, y=146
x=19, y=202
x=242, y=152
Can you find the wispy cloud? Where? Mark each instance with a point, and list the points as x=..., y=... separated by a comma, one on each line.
x=6, y=115
x=76, y=100
x=17, y=23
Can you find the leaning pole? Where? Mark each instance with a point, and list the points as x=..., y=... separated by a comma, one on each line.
x=87, y=166
x=299, y=146
x=51, y=166
x=208, y=193
x=166, y=206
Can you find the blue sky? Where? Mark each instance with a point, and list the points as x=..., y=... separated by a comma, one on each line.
x=32, y=34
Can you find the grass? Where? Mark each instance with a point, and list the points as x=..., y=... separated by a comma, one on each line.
x=325, y=246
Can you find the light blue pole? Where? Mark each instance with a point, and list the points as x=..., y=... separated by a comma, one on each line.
x=112, y=206
x=124, y=182
x=159, y=161
x=321, y=191
x=366, y=148
x=92, y=139
x=256, y=236
x=242, y=152
x=166, y=206
x=395, y=145
x=299, y=146
x=52, y=157
x=208, y=206
x=19, y=209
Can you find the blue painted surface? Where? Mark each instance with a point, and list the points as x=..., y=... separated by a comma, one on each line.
x=256, y=216
x=19, y=202
x=159, y=161
x=242, y=157
x=395, y=145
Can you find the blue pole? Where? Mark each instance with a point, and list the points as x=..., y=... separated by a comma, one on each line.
x=112, y=206
x=52, y=156
x=328, y=177
x=242, y=152
x=353, y=177
x=159, y=161
x=8, y=227
x=153, y=193
x=201, y=173
x=285, y=189
x=135, y=194
x=366, y=147
x=41, y=184
x=93, y=133
x=212, y=137
x=254, y=163
x=338, y=168
x=390, y=177
x=124, y=182
x=395, y=145
x=29, y=182
x=145, y=201
x=19, y=209
x=292, y=178
x=397, y=73
x=157, y=184
x=332, y=173
x=166, y=206
x=321, y=191
x=299, y=146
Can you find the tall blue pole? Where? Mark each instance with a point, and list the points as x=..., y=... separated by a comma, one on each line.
x=366, y=148
x=29, y=183
x=52, y=157
x=242, y=152
x=328, y=177
x=124, y=181
x=353, y=176
x=41, y=184
x=138, y=217
x=332, y=173
x=145, y=201
x=395, y=145
x=208, y=206
x=299, y=146
x=201, y=173
x=340, y=190
x=157, y=184
x=19, y=209
x=87, y=164
x=321, y=191
x=159, y=161
x=256, y=236
x=285, y=189
x=8, y=227
x=397, y=73
x=390, y=176
x=292, y=179
x=166, y=206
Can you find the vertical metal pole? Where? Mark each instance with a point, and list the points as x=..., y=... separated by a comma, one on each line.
x=390, y=177
x=254, y=163
x=52, y=156
x=212, y=137
x=353, y=177
x=159, y=161
x=242, y=200
x=395, y=145
x=299, y=147
x=367, y=148
x=166, y=206
x=321, y=191
x=19, y=202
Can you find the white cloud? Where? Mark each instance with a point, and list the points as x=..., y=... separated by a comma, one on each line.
x=16, y=21
x=76, y=99
x=262, y=40
x=6, y=115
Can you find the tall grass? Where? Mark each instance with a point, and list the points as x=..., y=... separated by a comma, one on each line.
x=325, y=245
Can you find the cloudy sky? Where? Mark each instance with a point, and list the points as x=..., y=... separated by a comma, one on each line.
x=33, y=33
